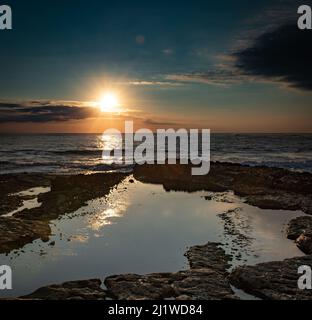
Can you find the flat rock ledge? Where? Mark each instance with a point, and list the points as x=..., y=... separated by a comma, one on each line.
x=15, y=233
x=74, y=290
x=300, y=230
x=205, y=280
x=273, y=280
x=209, y=256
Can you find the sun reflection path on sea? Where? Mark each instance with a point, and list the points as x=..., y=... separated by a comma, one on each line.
x=111, y=141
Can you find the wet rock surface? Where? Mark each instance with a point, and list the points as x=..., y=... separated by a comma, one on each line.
x=15, y=233
x=266, y=188
x=300, y=230
x=10, y=184
x=74, y=290
x=198, y=284
x=273, y=280
x=206, y=279
x=208, y=256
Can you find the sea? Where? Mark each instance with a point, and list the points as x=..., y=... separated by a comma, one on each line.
x=81, y=153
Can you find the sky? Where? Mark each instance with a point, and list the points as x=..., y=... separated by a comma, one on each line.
x=228, y=66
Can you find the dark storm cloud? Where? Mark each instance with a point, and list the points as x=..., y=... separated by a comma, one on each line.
x=281, y=55
x=44, y=112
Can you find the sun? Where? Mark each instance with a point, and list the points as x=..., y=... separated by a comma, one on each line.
x=109, y=103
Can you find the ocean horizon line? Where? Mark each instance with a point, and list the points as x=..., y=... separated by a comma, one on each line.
x=212, y=132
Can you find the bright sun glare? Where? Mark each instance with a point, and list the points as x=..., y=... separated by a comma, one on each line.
x=109, y=103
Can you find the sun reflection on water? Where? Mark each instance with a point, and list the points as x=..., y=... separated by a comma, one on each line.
x=116, y=204
x=112, y=142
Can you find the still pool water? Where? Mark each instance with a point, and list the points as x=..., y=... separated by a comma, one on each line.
x=141, y=228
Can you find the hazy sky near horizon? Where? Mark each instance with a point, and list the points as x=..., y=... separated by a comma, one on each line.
x=231, y=66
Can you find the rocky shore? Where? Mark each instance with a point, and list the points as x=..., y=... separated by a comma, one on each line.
x=273, y=280
x=207, y=278
x=74, y=290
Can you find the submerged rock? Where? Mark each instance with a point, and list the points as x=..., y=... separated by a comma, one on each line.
x=74, y=290
x=206, y=279
x=300, y=230
x=273, y=280
x=15, y=233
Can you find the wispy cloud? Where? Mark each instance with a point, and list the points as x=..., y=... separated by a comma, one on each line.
x=151, y=83
x=218, y=77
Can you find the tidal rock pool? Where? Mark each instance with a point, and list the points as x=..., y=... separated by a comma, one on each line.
x=140, y=228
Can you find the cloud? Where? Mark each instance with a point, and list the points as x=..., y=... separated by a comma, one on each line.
x=45, y=111
x=62, y=111
x=282, y=55
x=272, y=49
x=218, y=77
x=151, y=83
x=279, y=55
